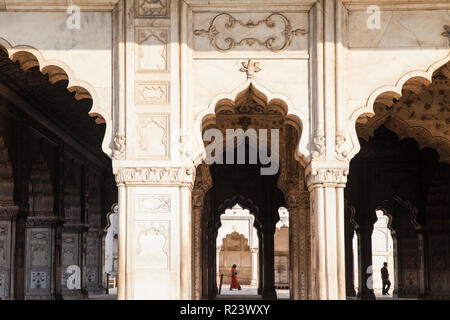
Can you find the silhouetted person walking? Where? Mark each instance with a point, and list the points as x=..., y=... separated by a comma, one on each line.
x=385, y=279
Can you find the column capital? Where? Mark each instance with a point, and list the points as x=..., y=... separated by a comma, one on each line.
x=8, y=211
x=326, y=174
x=155, y=176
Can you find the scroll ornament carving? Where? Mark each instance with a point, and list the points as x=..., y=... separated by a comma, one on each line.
x=446, y=33
x=162, y=176
x=224, y=22
x=185, y=147
x=341, y=153
x=119, y=147
x=319, y=144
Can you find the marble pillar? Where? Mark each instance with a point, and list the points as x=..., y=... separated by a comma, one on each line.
x=327, y=229
x=155, y=233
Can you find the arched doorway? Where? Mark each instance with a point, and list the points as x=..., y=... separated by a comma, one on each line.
x=57, y=183
x=220, y=185
x=400, y=170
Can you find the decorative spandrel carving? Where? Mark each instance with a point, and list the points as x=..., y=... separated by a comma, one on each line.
x=152, y=8
x=152, y=49
x=273, y=32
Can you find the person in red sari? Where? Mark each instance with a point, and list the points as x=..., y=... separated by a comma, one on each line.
x=234, y=280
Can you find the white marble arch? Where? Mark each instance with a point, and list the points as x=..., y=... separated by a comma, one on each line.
x=413, y=79
x=57, y=70
x=293, y=116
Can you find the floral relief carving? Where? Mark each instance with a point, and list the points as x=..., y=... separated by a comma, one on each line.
x=224, y=30
x=250, y=67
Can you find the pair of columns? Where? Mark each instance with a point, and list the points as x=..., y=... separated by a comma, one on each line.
x=155, y=234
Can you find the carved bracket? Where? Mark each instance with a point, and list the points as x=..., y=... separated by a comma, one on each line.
x=446, y=33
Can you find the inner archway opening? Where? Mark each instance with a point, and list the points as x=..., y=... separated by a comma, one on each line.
x=250, y=145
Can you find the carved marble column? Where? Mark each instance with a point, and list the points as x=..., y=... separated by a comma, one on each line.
x=325, y=182
x=365, y=281
x=261, y=264
x=8, y=216
x=71, y=260
x=203, y=183
x=40, y=258
x=151, y=236
x=298, y=207
x=349, y=257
